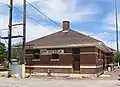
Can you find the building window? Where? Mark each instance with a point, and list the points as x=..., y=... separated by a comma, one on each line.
x=98, y=54
x=29, y=51
x=28, y=59
x=54, y=57
x=36, y=52
x=29, y=56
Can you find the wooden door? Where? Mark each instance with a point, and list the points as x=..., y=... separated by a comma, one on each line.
x=76, y=60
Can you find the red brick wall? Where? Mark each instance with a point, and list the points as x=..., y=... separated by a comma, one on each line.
x=67, y=60
x=87, y=49
x=88, y=71
x=88, y=59
x=45, y=70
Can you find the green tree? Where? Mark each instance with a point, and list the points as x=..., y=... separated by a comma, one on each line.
x=117, y=58
x=16, y=51
x=3, y=55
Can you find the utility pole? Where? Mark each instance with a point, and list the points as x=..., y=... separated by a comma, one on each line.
x=24, y=40
x=116, y=26
x=22, y=59
x=10, y=31
x=9, y=36
x=24, y=34
x=117, y=44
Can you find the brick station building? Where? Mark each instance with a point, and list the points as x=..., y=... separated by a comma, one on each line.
x=68, y=51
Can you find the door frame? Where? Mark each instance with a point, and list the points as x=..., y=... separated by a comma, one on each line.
x=76, y=52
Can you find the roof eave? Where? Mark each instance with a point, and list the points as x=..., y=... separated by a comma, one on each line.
x=102, y=46
x=62, y=46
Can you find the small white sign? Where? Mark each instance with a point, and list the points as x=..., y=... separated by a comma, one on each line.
x=54, y=59
x=44, y=51
x=35, y=60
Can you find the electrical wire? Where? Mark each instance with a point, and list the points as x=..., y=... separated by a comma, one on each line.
x=28, y=18
x=43, y=14
x=8, y=28
x=26, y=15
x=31, y=18
x=5, y=4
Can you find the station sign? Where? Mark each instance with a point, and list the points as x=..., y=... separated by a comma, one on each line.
x=45, y=51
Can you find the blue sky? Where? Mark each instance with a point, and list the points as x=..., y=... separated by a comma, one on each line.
x=92, y=17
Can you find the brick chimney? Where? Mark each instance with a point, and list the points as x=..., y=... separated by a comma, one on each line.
x=66, y=25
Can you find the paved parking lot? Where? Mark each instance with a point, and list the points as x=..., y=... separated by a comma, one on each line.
x=32, y=82
x=38, y=81
x=114, y=75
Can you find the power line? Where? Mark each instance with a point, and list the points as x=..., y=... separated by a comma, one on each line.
x=7, y=28
x=26, y=15
x=43, y=14
x=5, y=4
x=4, y=29
x=31, y=18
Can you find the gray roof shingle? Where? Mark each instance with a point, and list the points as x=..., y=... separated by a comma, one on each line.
x=63, y=38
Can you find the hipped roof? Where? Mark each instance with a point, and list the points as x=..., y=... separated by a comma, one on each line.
x=63, y=38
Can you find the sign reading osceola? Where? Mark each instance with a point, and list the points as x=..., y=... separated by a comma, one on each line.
x=45, y=51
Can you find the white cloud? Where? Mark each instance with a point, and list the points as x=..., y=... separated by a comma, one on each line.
x=57, y=10
x=60, y=10
x=3, y=25
x=33, y=31
x=110, y=21
x=3, y=21
x=17, y=1
x=37, y=31
x=105, y=37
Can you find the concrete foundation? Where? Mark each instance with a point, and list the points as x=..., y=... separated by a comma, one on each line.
x=18, y=69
